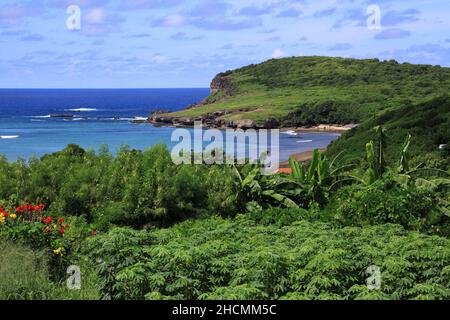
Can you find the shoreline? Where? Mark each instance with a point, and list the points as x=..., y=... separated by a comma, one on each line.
x=321, y=128
x=301, y=157
x=214, y=121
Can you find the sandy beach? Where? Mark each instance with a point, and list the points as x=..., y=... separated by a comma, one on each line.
x=323, y=128
x=301, y=157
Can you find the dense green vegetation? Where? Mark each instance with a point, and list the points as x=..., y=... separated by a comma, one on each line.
x=242, y=259
x=427, y=122
x=141, y=227
x=134, y=188
x=304, y=91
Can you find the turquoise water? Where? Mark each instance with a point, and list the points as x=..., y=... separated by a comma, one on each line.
x=101, y=117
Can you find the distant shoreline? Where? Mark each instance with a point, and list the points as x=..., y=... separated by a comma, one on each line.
x=321, y=128
x=332, y=128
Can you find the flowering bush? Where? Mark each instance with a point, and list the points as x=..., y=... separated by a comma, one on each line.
x=30, y=224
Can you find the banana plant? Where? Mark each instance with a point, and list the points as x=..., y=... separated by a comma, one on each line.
x=321, y=176
x=418, y=172
x=382, y=144
x=405, y=174
x=376, y=157
x=372, y=174
x=404, y=158
x=253, y=187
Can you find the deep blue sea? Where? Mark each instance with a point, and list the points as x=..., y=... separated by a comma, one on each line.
x=103, y=117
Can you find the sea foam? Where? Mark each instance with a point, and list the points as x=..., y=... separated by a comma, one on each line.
x=291, y=133
x=82, y=110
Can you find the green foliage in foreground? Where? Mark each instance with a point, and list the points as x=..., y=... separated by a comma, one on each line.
x=24, y=275
x=309, y=235
x=301, y=91
x=243, y=259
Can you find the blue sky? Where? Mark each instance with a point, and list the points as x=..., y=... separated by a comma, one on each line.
x=184, y=43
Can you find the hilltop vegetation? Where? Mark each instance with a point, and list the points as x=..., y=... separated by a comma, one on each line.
x=428, y=123
x=308, y=91
x=304, y=91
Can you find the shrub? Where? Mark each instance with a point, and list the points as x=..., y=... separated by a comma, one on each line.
x=389, y=201
x=29, y=224
x=134, y=188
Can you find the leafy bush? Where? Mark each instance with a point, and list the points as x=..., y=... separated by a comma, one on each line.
x=134, y=188
x=239, y=259
x=389, y=201
x=29, y=224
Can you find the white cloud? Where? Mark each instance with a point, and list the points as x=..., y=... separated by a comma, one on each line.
x=174, y=20
x=278, y=54
x=96, y=16
x=159, y=59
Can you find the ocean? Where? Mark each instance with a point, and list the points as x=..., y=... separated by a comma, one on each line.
x=102, y=117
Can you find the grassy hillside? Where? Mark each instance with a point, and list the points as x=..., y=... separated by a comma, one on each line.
x=427, y=122
x=311, y=90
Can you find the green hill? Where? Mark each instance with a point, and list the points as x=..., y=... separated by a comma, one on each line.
x=303, y=91
x=428, y=123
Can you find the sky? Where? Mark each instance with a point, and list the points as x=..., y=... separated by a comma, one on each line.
x=184, y=43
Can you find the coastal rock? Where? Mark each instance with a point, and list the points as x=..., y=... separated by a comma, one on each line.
x=244, y=124
x=61, y=116
x=160, y=117
x=271, y=124
x=222, y=83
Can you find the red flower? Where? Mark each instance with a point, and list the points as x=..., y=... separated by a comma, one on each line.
x=61, y=231
x=60, y=220
x=4, y=214
x=19, y=209
x=48, y=220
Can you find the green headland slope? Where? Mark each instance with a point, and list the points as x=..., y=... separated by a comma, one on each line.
x=307, y=91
